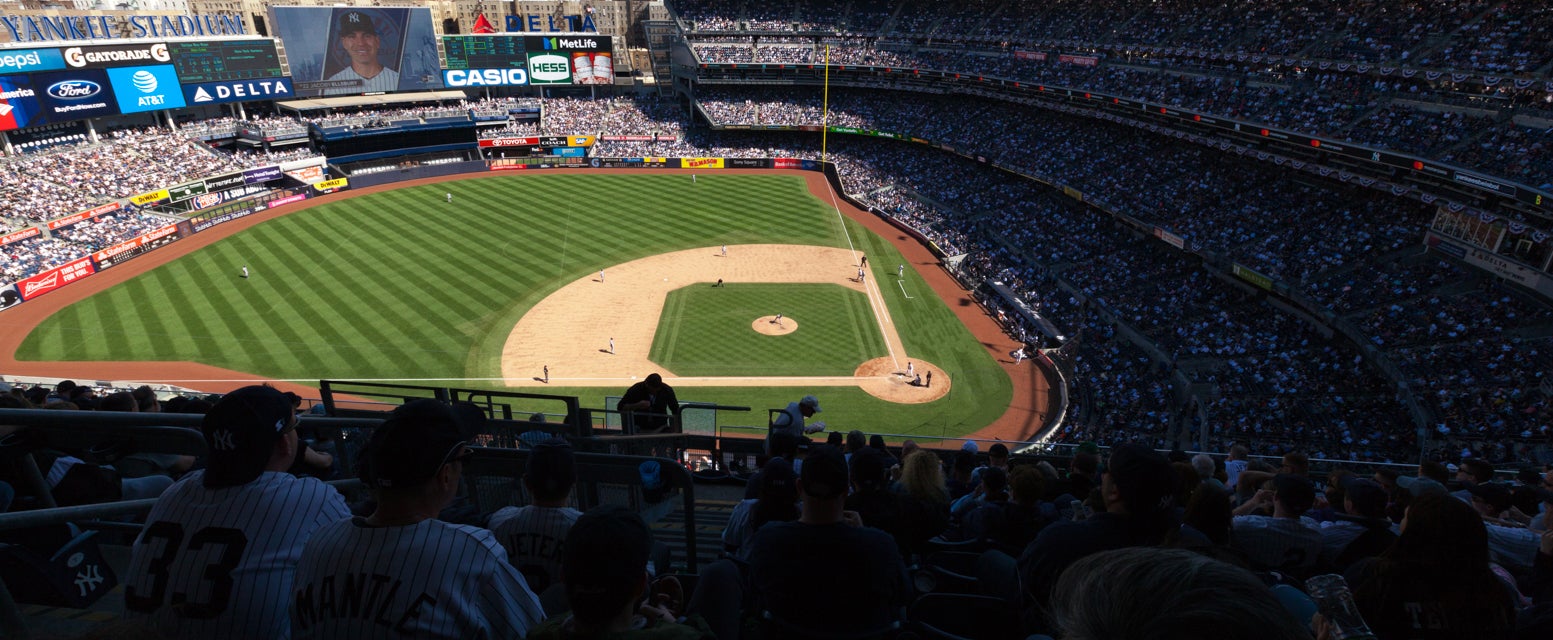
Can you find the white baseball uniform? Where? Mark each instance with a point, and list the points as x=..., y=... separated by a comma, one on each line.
x=534, y=538
x=431, y=579
x=385, y=80
x=218, y=563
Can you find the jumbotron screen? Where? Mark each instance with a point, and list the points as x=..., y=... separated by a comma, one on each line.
x=518, y=60
x=225, y=60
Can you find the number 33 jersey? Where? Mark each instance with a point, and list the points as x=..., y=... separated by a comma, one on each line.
x=219, y=563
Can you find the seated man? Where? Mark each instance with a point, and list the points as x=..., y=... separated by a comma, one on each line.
x=607, y=581
x=534, y=535
x=220, y=547
x=827, y=571
x=650, y=406
x=1281, y=541
x=400, y=572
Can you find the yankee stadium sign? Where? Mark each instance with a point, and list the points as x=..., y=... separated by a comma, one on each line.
x=30, y=28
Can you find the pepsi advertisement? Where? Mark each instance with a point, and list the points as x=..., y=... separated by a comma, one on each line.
x=74, y=95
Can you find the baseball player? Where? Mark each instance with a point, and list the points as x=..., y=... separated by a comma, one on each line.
x=930, y=379
x=1019, y=355
x=601, y=275
x=245, y=272
x=547, y=374
x=725, y=251
x=535, y=535
x=778, y=320
x=360, y=42
x=860, y=274
x=900, y=271
x=864, y=262
x=692, y=178
x=911, y=369
x=220, y=547
x=400, y=572
x=611, y=346
x=450, y=197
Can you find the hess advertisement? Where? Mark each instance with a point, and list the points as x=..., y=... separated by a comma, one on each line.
x=350, y=50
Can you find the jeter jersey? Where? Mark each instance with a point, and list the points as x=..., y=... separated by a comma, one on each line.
x=534, y=538
x=385, y=80
x=426, y=580
x=218, y=563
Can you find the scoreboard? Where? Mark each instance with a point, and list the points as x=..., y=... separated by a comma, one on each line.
x=484, y=52
x=225, y=60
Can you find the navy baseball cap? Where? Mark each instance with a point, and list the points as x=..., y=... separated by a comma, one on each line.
x=241, y=431
x=606, y=552
x=551, y=466
x=410, y=446
x=354, y=21
x=823, y=473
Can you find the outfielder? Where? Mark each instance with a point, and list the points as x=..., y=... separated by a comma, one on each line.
x=900, y=271
x=450, y=197
x=245, y=272
x=400, y=572
x=218, y=554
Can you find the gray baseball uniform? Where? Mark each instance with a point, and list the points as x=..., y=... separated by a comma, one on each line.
x=218, y=563
x=534, y=538
x=431, y=579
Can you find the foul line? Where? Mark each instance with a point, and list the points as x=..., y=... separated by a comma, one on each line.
x=875, y=296
x=903, y=289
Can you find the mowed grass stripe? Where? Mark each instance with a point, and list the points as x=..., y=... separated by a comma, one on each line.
x=827, y=342
x=303, y=301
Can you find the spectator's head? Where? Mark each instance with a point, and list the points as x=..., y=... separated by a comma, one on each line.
x=1085, y=463
x=1386, y=478
x=784, y=444
x=856, y=441
x=1434, y=471
x=908, y=447
x=1138, y=481
x=1209, y=512
x=1490, y=499
x=1439, y=529
x=835, y=439
x=119, y=402
x=994, y=482
x=64, y=388
x=1202, y=463
x=604, y=567
x=1420, y=486
x=809, y=406
x=824, y=475
x=1140, y=592
x=1187, y=481
x=1295, y=463
x=1239, y=452
x=923, y=478
x=146, y=400
x=1475, y=471
x=416, y=457
x=778, y=496
x=1026, y=485
x=997, y=455
x=964, y=464
x=250, y=431
x=551, y=472
x=1364, y=498
x=654, y=382
x=1336, y=479
x=869, y=470
x=876, y=441
x=1293, y=495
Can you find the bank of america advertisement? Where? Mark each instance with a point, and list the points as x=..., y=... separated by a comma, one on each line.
x=336, y=51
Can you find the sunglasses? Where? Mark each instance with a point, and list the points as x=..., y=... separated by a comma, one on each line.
x=459, y=452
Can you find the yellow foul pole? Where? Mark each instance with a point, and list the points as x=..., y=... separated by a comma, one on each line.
x=825, y=111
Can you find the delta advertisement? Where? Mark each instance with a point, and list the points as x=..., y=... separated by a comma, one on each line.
x=337, y=51
x=238, y=91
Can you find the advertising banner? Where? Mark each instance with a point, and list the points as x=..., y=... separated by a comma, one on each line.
x=262, y=174
x=208, y=200
x=786, y=163
x=1083, y=61
x=1250, y=275
x=18, y=236
x=1038, y=56
x=1170, y=238
x=74, y=95
x=307, y=175
x=30, y=60
x=140, y=89
x=549, y=68
x=82, y=216
x=224, y=182
x=118, y=55
x=570, y=152
x=149, y=198
x=749, y=163
x=55, y=278
x=485, y=77
x=185, y=191
x=238, y=91
x=510, y=142
x=701, y=163
x=287, y=200
x=201, y=225
x=19, y=105
x=351, y=50
x=579, y=141
x=1504, y=268
x=125, y=250
x=330, y=186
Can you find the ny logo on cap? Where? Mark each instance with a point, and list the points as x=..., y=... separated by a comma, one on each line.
x=354, y=17
x=222, y=440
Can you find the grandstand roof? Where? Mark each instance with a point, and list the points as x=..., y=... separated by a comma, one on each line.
x=369, y=101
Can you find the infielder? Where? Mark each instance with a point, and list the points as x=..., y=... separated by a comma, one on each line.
x=725, y=251
x=911, y=369
x=601, y=275
x=218, y=554
x=547, y=374
x=611, y=346
x=400, y=572
x=860, y=275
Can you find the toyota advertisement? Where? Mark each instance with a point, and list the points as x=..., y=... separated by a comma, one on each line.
x=354, y=50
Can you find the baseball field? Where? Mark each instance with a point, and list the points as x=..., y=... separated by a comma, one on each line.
x=601, y=278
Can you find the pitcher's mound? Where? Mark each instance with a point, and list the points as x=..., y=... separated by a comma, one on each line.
x=767, y=325
x=888, y=381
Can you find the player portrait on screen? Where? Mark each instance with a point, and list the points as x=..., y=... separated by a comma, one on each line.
x=358, y=38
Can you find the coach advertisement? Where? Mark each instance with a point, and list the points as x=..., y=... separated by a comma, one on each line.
x=129, y=249
x=55, y=278
x=336, y=51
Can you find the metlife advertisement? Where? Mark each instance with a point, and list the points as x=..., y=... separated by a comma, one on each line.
x=141, y=89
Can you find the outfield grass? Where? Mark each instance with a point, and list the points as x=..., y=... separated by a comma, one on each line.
x=705, y=331
x=401, y=284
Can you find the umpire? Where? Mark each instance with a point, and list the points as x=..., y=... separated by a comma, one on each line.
x=650, y=406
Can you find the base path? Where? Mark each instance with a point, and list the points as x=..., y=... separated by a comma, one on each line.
x=598, y=331
x=1025, y=416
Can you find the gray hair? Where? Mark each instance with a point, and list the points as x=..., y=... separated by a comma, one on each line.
x=1146, y=592
x=1202, y=463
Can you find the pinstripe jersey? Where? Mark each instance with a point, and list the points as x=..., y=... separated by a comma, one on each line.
x=1287, y=544
x=218, y=563
x=385, y=80
x=427, y=580
x=534, y=538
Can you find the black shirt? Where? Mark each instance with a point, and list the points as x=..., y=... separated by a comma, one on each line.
x=833, y=577
x=663, y=403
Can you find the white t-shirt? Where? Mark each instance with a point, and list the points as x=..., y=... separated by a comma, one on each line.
x=385, y=80
x=431, y=579
x=254, y=531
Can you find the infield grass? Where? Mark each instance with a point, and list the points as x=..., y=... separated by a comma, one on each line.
x=705, y=331
x=402, y=285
